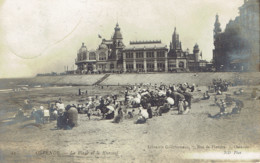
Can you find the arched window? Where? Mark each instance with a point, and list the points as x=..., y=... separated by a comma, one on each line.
x=111, y=66
x=92, y=56
x=81, y=56
x=84, y=55
x=181, y=64
x=78, y=56
x=102, y=56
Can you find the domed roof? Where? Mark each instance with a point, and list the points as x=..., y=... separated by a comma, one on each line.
x=196, y=47
x=102, y=46
x=117, y=34
x=83, y=48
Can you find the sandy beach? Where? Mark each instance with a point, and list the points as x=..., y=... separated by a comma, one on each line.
x=186, y=138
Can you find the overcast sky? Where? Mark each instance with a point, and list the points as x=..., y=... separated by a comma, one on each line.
x=39, y=36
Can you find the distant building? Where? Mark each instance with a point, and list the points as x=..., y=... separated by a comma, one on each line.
x=237, y=48
x=107, y=57
x=179, y=60
x=139, y=56
x=145, y=56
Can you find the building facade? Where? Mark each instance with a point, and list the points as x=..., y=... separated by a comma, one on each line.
x=145, y=56
x=106, y=58
x=237, y=47
x=139, y=56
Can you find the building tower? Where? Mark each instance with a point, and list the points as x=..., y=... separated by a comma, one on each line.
x=175, y=44
x=117, y=43
x=217, y=28
x=82, y=52
x=196, y=51
x=82, y=55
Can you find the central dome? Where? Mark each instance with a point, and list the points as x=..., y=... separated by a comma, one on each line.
x=103, y=46
x=117, y=34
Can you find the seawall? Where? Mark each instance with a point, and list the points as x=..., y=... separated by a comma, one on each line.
x=124, y=79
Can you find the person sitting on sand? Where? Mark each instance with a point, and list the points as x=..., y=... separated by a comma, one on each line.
x=192, y=88
x=39, y=115
x=102, y=103
x=183, y=107
x=27, y=105
x=119, y=117
x=110, y=114
x=206, y=95
x=109, y=101
x=215, y=99
x=254, y=94
x=223, y=107
x=223, y=112
x=237, y=109
x=143, y=116
x=71, y=116
x=239, y=92
x=164, y=109
x=19, y=115
x=219, y=91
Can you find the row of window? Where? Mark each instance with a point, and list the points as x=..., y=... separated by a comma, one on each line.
x=138, y=66
x=92, y=56
x=150, y=54
x=151, y=65
x=82, y=56
x=129, y=55
x=160, y=54
x=103, y=66
x=141, y=66
x=129, y=66
x=139, y=54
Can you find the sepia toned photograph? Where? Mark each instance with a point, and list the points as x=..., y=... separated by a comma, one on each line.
x=129, y=81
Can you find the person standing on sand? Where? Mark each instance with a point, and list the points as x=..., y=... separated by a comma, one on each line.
x=254, y=94
x=61, y=120
x=79, y=92
x=183, y=90
x=126, y=96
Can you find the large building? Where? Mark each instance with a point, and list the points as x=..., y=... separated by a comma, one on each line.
x=139, y=56
x=145, y=56
x=179, y=60
x=237, y=48
x=107, y=57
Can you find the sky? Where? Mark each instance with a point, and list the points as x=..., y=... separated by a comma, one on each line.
x=44, y=36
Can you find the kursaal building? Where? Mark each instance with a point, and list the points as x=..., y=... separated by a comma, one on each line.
x=139, y=56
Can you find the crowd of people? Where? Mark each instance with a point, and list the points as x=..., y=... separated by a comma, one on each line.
x=143, y=101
